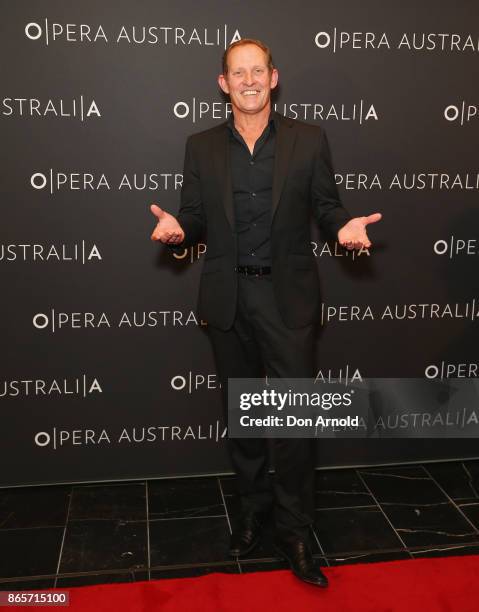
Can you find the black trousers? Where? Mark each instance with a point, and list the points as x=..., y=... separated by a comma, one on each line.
x=259, y=343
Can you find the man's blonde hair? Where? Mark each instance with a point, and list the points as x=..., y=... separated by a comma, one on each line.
x=247, y=41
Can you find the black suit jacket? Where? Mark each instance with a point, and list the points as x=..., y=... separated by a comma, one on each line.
x=303, y=184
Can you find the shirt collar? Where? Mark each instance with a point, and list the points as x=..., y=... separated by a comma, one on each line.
x=272, y=120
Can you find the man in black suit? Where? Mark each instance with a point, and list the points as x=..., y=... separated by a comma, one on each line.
x=250, y=185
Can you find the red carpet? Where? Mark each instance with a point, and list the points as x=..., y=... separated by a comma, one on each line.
x=446, y=584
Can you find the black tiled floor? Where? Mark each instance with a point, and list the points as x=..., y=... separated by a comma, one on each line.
x=433, y=525
x=470, y=507
x=104, y=544
x=454, y=550
x=266, y=566
x=368, y=557
x=402, y=485
x=28, y=585
x=189, y=541
x=197, y=570
x=126, y=502
x=34, y=507
x=119, y=532
x=228, y=485
x=31, y=552
x=186, y=497
x=460, y=480
x=340, y=489
x=101, y=578
x=355, y=529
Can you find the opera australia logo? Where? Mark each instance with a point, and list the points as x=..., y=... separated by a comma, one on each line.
x=195, y=110
x=190, y=254
x=452, y=370
x=54, y=180
x=454, y=247
x=359, y=111
x=81, y=252
x=164, y=35
x=81, y=107
x=461, y=113
x=190, y=382
x=336, y=40
x=399, y=312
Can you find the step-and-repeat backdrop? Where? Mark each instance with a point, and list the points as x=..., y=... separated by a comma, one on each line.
x=107, y=372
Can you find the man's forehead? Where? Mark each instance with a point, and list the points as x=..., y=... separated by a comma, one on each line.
x=247, y=54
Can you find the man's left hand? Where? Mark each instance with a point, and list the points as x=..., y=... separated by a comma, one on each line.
x=353, y=234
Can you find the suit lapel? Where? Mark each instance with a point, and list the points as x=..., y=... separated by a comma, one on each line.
x=222, y=162
x=285, y=139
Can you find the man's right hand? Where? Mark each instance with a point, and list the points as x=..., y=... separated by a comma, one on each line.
x=167, y=230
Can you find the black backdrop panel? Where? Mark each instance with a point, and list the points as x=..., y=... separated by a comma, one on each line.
x=106, y=372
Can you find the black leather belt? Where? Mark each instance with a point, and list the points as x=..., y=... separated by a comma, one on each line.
x=253, y=270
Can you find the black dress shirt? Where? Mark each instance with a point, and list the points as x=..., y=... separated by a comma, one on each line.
x=252, y=182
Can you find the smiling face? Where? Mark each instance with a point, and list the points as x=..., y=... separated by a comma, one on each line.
x=248, y=81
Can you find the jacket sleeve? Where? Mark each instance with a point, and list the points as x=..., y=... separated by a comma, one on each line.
x=191, y=215
x=327, y=208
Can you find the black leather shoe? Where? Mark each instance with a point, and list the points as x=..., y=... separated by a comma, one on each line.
x=298, y=555
x=247, y=534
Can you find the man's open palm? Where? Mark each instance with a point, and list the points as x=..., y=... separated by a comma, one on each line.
x=167, y=230
x=353, y=235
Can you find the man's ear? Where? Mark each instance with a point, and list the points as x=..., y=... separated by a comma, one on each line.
x=274, y=78
x=223, y=84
